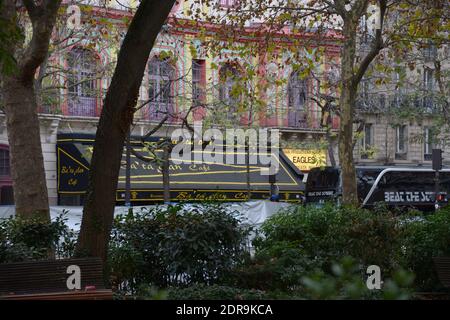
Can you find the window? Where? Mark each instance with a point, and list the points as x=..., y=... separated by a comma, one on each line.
x=365, y=90
x=82, y=83
x=198, y=82
x=322, y=179
x=401, y=140
x=160, y=75
x=364, y=29
x=5, y=168
x=428, y=85
x=297, y=94
x=365, y=178
x=228, y=3
x=399, y=92
x=229, y=92
x=382, y=101
x=427, y=144
x=367, y=140
x=6, y=189
x=430, y=51
x=428, y=80
x=6, y=196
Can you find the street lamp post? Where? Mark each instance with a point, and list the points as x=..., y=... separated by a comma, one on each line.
x=166, y=171
x=128, y=172
x=437, y=166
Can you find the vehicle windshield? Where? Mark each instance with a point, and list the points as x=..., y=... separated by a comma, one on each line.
x=322, y=179
x=366, y=178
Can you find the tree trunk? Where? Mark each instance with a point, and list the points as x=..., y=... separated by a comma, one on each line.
x=347, y=106
x=115, y=120
x=20, y=106
x=247, y=169
x=330, y=147
x=27, y=163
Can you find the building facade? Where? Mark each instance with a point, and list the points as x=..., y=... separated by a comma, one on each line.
x=183, y=83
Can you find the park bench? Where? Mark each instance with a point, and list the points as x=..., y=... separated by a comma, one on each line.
x=47, y=280
x=442, y=268
x=442, y=265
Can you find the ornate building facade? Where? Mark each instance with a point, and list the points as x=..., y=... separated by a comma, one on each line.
x=183, y=83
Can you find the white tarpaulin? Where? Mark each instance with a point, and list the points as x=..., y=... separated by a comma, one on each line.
x=255, y=212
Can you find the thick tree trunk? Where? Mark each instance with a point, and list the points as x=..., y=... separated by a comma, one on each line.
x=20, y=106
x=351, y=75
x=27, y=163
x=349, y=187
x=347, y=107
x=330, y=147
x=115, y=120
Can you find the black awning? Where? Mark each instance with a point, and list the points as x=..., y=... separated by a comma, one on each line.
x=198, y=180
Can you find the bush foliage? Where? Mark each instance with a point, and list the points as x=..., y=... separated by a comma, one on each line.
x=214, y=292
x=35, y=239
x=311, y=241
x=301, y=240
x=176, y=245
x=423, y=239
x=201, y=252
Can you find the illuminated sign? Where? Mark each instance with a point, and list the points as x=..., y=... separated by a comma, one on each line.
x=305, y=160
x=195, y=181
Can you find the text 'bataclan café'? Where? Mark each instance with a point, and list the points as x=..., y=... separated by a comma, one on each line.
x=194, y=181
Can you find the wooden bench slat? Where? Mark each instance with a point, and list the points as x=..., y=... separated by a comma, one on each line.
x=75, y=295
x=48, y=278
x=442, y=266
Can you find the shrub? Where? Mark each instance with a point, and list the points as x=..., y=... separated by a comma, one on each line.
x=302, y=240
x=176, y=245
x=213, y=292
x=278, y=270
x=423, y=239
x=35, y=239
x=346, y=281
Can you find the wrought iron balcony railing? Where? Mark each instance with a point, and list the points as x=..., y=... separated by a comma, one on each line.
x=82, y=106
x=379, y=103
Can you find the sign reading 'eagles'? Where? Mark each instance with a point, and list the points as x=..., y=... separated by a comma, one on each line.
x=305, y=160
x=196, y=180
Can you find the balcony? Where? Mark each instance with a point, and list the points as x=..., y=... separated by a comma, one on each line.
x=309, y=120
x=157, y=111
x=298, y=119
x=82, y=106
x=379, y=103
x=371, y=103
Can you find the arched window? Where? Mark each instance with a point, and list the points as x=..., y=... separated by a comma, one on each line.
x=6, y=190
x=82, y=83
x=297, y=95
x=228, y=88
x=160, y=77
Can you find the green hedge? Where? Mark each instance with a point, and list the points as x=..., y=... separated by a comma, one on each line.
x=35, y=239
x=301, y=240
x=214, y=292
x=176, y=246
x=201, y=251
x=423, y=239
